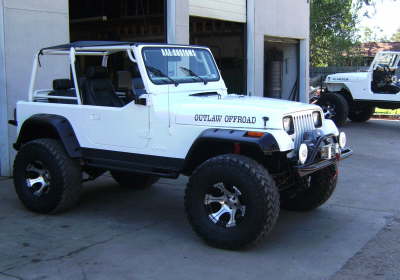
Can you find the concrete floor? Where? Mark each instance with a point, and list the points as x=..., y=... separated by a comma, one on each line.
x=122, y=234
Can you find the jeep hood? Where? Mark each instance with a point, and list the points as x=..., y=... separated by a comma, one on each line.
x=347, y=77
x=235, y=111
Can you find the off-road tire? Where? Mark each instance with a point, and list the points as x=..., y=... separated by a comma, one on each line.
x=66, y=177
x=306, y=198
x=258, y=188
x=131, y=180
x=339, y=102
x=361, y=113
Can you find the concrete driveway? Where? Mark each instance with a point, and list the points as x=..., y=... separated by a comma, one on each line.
x=122, y=234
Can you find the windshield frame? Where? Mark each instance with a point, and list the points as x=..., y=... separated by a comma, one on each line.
x=195, y=80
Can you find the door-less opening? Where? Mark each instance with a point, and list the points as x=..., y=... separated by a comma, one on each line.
x=281, y=68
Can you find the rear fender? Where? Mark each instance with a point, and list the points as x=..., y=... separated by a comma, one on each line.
x=49, y=126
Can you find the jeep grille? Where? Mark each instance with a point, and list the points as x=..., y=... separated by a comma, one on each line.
x=302, y=121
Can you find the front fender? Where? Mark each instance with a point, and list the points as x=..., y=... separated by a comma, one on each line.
x=330, y=127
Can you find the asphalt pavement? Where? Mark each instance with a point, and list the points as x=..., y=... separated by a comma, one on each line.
x=116, y=233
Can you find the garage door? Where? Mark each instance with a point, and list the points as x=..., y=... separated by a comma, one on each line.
x=230, y=10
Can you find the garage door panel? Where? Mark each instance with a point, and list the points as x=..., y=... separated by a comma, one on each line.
x=230, y=10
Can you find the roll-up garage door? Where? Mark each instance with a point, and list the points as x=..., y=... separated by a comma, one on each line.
x=230, y=10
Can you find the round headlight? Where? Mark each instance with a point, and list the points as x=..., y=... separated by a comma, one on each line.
x=342, y=139
x=288, y=125
x=303, y=153
x=317, y=119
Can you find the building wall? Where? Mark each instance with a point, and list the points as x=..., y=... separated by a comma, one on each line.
x=276, y=18
x=28, y=25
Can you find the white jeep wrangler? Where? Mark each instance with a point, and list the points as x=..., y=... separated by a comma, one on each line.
x=355, y=95
x=166, y=112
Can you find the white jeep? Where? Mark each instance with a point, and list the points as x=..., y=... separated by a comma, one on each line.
x=355, y=95
x=166, y=112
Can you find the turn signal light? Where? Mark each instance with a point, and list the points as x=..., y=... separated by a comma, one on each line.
x=255, y=134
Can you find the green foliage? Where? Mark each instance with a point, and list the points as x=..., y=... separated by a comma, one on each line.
x=396, y=36
x=333, y=27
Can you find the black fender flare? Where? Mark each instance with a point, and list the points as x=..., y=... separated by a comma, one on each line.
x=266, y=143
x=49, y=126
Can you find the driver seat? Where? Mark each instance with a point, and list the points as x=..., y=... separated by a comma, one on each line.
x=98, y=90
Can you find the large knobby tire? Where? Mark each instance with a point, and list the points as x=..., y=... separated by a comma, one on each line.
x=45, y=178
x=133, y=180
x=312, y=191
x=361, y=113
x=337, y=105
x=231, y=201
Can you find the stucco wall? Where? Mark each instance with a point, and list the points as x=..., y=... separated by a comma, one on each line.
x=277, y=18
x=28, y=25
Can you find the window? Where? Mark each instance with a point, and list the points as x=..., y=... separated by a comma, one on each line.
x=179, y=65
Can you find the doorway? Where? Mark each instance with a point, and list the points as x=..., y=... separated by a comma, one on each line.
x=281, y=68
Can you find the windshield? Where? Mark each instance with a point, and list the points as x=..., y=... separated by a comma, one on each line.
x=386, y=59
x=175, y=65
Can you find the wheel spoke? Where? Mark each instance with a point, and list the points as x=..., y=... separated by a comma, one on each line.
x=222, y=188
x=237, y=192
x=40, y=191
x=232, y=219
x=39, y=180
x=213, y=199
x=217, y=215
x=242, y=209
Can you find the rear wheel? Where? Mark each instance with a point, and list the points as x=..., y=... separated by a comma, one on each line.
x=231, y=201
x=133, y=180
x=312, y=191
x=335, y=107
x=361, y=113
x=45, y=178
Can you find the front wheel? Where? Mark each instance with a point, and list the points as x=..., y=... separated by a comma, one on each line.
x=335, y=107
x=311, y=191
x=361, y=113
x=231, y=201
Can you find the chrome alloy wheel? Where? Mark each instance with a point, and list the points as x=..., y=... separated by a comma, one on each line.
x=329, y=110
x=37, y=178
x=224, y=206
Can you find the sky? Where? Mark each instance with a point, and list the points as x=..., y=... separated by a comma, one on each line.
x=385, y=16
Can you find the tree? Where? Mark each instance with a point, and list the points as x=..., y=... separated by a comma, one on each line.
x=333, y=27
x=373, y=34
x=396, y=36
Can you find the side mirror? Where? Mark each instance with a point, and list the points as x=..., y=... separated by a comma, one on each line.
x=140, y=100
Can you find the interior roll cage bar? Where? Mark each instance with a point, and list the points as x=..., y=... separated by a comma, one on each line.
x=73, y=50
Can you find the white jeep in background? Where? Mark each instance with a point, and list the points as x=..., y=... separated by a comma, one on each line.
x=355, y=95
x=145, y=111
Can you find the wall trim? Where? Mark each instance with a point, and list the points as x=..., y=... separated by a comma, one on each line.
x=250, y=51
x=5, y=163
x=171, y=21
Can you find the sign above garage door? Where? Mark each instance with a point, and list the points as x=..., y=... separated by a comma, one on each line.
x=230, y=10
